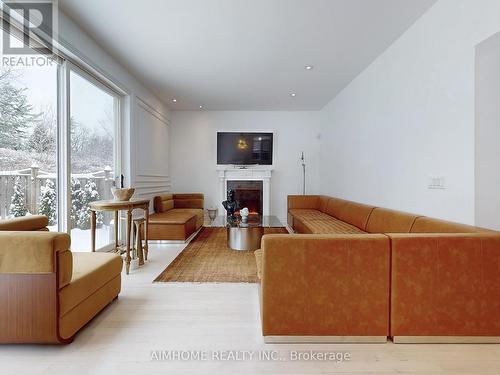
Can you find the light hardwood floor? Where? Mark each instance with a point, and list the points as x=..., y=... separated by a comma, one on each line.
x=216, y=317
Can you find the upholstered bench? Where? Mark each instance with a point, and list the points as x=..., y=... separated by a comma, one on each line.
x=176, y=217
x=47, y=292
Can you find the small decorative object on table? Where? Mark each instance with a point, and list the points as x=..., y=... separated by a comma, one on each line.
x=122, y=195
x=244, y=214
x=231, y=205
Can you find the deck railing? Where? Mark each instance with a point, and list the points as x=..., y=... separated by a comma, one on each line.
x=32, y=179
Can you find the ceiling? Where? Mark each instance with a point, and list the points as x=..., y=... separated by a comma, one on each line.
x=245, y=54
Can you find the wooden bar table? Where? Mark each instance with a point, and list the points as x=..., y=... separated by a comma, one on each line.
x=116, y=206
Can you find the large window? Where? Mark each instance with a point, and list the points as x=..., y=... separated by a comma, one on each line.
x=28, y=140
x=59, y=147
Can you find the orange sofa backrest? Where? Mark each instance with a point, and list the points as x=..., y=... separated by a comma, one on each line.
x=303, y=201
x=356, y=214
x=163, y=203
x=430, y=225
x=191, y=200
x=383, y=220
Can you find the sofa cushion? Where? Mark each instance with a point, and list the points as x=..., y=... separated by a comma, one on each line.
x=25, y=223
x=323, y=203
x=300, y=227
x=91, y=271
x=76, y=318
x=174, y=216
x=31, y=252
x=356, y=214
x=331, y=226
x=383, y=220
x=307, y=213
x=429, y=225
x=303, y=201
x=163, y=203
x=193, y=200
x=194, y=212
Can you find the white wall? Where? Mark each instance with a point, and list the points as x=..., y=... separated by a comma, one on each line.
x=145, y=117
x=410, y=116
x=193, y=151
x=487, y=167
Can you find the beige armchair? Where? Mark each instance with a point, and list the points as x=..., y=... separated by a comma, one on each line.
x=47, y=292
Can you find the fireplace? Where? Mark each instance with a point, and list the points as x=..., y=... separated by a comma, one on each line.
x=248, y=193
x=252, y=174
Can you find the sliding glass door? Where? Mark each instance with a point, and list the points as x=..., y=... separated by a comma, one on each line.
x=93, y=127
x=59, y=144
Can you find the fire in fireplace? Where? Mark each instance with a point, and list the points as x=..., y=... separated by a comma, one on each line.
x=248, y=194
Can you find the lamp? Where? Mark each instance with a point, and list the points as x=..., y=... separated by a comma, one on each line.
x=303, y=162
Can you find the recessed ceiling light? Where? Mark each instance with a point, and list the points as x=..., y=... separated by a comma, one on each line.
x=293, y=95
x=309, y=67
x=174, y=100
x=201, y=107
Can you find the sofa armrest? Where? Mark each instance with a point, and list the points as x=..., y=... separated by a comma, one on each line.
x=25, y=223
x=31, y=252
x=303, y=201
x=445, y=284
x=325, y=285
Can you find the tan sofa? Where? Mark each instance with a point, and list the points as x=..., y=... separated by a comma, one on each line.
x=176, y=217
x=359, y=273
x=47, y=292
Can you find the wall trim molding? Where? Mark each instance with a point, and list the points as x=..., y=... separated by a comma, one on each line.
x=148, y=108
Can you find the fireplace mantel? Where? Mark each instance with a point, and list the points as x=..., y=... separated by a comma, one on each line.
x=259, y=173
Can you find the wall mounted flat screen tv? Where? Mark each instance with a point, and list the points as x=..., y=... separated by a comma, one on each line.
x=245, y=148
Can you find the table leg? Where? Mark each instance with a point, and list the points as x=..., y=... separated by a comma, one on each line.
x=129, y=230
x=146, y=225
x=138, y=242
x=117, y=247
x=92, y=228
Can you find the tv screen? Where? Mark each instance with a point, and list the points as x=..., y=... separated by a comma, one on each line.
x=245, y=148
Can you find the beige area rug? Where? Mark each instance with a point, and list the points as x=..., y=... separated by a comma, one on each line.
x=208, y=259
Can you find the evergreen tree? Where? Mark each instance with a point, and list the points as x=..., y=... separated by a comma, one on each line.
x=18, y=201
x=42, y=139
x=81, y=199
x=48, y=202
x=16, y=114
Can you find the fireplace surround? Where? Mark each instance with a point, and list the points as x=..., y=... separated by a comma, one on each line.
x=260, y=174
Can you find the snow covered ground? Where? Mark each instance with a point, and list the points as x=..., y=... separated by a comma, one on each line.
x=80, y=239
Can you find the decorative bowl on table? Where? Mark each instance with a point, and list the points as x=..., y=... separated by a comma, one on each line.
x=123, y=194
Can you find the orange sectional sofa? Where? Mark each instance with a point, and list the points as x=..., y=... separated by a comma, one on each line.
x=176, y=217
x=356, y=272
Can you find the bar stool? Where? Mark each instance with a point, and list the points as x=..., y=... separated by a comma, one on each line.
x=137, y=240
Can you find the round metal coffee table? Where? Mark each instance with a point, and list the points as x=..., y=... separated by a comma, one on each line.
x=246, y=236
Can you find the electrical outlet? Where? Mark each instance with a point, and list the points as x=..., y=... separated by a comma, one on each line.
x=436, y=183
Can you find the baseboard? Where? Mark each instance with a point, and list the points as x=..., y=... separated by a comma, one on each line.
x=446, y=339
x=325, y=339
